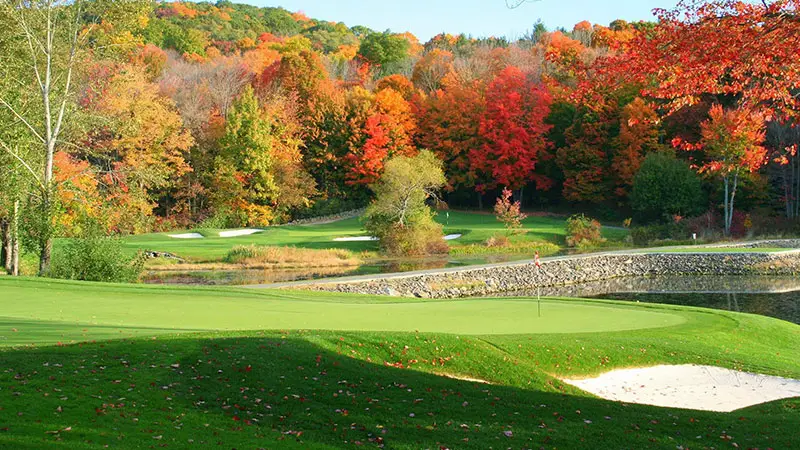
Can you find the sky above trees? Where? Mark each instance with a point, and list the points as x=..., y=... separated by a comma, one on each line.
x=479, y=18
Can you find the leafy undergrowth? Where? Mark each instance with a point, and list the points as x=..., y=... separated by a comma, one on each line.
x=374, y=390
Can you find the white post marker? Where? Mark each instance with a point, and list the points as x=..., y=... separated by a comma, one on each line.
x=538, y=265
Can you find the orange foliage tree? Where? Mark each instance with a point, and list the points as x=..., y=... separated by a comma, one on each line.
x=731, y=48
x=732, y=141
x=449, y=122
x=638, y=135
x=387, y=130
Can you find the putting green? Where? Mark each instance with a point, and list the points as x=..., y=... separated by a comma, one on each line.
x=95, y=311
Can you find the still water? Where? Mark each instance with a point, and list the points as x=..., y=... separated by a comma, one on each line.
x=260, y=276
x=777, y=297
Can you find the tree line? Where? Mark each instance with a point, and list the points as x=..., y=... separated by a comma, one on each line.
x=135, y=116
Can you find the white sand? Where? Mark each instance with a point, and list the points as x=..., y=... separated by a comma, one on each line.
x=706, y=388
x=449, y=237
x=187, y=236
x=235, y=233
x=356, y=239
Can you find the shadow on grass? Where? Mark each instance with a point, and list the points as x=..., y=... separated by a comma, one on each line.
x=18, y=332
x=329, y=390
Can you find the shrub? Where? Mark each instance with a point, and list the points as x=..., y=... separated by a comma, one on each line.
x=497, y=240
x=583, y=231
x=424, y=237
x=97, y=257
x=664, y=187
x=508, y=212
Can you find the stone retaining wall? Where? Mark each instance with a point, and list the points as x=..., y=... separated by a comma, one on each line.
x=567, y=271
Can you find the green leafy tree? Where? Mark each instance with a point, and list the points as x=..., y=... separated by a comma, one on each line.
x=280, y=22
x=664, y=187
x=247, y=158
x=384, y=48
x=399, y=216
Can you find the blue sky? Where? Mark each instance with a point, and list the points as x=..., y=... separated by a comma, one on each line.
x=426, y=18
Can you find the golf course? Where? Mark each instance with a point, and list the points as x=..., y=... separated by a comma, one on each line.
x=475, y=229
x=88, y=365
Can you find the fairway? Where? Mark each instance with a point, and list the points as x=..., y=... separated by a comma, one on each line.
x=475, y=227
x=122, y=311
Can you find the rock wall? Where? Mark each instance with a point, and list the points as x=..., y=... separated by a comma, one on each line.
x=566, y=271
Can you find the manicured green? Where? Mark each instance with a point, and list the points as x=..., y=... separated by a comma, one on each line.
x=476, y=229
x=334, y=389
x=136, y=308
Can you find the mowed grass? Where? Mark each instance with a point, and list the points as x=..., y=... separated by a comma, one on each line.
x=369, y=386
x=475, y=227
x=136, y=309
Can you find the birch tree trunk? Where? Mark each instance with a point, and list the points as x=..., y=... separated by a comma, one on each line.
x=49, y=32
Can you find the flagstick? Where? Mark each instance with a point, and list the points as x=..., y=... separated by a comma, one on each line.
x=538, y=292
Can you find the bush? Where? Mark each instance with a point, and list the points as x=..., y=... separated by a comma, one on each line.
x=498, y=240
x=423, y=237
x=509, y=213
x=664, y=187
x=583, y=231
x=97, y=257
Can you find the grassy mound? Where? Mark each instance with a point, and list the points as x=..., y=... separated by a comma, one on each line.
x=387, y=386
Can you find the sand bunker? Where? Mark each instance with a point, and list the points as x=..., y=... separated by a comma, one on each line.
x=356, y=239
x=235, y=233
x=452, y=237
x=187, y=236
x=705, y=388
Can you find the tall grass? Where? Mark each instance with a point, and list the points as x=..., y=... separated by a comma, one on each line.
x=544, y=249
x=287, y=257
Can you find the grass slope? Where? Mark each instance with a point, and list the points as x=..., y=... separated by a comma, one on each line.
x=477, y=228
x=350, y=389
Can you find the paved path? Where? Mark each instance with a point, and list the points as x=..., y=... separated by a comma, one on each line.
x=400, y=275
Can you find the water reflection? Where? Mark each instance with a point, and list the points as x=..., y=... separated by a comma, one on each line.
x=261, y=276
x=768, y=296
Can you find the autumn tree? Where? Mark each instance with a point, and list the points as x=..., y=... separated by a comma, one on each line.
x=431, y=69
x=139, y=146
x=449, y=124
x=732, y=141
x=725, y=48
x=638, y=136
x=383, y=126
x=49, y=39
x=514, y=132
x=509, y=212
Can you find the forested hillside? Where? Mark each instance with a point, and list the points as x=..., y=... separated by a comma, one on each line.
x=223, y=114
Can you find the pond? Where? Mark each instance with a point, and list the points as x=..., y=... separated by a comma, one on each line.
x=261, y=276
x=777, y=297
